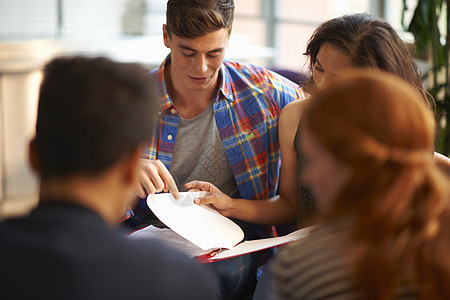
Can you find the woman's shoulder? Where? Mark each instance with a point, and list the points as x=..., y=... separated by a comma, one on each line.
x=321, y=240
x=292, y=112
x=317, y=260
x=295, y=107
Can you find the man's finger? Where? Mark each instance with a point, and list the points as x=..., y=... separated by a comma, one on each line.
x=173, y=189
x=157, y=183
x=169, y=183
x=147, y=184
x=140, y=191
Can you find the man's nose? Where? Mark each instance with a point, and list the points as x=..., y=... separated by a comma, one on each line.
x=201, y=64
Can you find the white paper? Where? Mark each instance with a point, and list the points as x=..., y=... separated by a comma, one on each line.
x=200, y=224
x=261, y=244
x=169, y=237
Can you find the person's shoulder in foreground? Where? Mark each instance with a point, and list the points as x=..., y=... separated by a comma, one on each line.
x=304, y=269
x=315, y=267
x=94, y=115
x=65, y=251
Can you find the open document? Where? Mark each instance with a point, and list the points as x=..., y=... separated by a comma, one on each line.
x=202, y=232
x=200, y=224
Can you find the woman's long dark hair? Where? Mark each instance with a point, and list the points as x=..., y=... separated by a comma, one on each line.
x=370, y=42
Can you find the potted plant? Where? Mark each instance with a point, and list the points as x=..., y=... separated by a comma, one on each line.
x=430, y=26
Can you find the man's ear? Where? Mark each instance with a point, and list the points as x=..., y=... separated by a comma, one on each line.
x=33, y=156
x=131, y=166
x=166, y=37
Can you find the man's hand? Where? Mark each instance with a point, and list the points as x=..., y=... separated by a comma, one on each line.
x=153, y=177
x=220, y=201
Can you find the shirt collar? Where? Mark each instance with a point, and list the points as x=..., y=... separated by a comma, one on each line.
x=225, y=87
x=166, y=101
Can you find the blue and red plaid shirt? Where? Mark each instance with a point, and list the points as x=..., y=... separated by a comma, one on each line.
x=246, y=109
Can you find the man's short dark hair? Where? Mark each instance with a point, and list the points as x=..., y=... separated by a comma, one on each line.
x=195, y=18
x=91, y=113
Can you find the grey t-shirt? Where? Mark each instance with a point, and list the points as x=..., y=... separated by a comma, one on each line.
x=199, y=154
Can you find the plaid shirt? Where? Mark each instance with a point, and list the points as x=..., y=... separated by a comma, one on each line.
x=246, y=110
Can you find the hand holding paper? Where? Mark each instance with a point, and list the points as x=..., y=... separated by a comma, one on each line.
x=220, y=201
x=206, y=228
x=200, y=224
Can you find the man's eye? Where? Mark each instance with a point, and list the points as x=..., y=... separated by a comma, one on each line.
x=213, y=55
x=188, y=54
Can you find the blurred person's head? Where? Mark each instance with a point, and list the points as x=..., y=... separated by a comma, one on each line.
x=93, y=114
x=197, y=32
x=360, y=40
x=368, y=140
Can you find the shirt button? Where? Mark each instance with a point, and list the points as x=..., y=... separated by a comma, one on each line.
x=159, y=113
x=173, y=110
x=169, y=137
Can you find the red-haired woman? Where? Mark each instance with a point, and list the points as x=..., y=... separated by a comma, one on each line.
x=385, y=226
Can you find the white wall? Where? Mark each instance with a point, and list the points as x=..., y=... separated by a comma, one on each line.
x=20, y=78
x=18, y=92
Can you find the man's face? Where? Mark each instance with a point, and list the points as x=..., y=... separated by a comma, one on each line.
x=195, y=63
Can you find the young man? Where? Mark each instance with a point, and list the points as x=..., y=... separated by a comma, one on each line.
x=93, y=117
x=218, y=119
